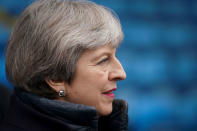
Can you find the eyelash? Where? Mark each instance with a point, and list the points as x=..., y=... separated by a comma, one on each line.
x=103, y=61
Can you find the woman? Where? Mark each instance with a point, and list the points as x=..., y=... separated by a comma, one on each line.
x=61, y=59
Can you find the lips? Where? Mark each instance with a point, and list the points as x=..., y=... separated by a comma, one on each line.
x=109, y=93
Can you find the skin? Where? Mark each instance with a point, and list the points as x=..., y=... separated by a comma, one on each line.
x=97, y=71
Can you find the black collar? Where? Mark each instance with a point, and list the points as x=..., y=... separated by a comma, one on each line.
x=65, y=111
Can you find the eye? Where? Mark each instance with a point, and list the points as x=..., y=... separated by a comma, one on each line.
x=103, y=61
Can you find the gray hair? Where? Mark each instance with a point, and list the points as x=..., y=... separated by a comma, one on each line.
x=50, y=36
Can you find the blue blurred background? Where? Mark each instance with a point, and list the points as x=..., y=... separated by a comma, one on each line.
x=158, y=54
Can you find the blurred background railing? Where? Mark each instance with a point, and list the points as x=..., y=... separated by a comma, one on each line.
x=159, y=54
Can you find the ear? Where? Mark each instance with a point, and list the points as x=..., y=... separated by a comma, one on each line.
x=56, y=85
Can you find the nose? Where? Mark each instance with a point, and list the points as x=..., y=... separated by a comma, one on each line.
x=117, y=72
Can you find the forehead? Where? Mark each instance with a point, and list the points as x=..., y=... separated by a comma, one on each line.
x=100, y=50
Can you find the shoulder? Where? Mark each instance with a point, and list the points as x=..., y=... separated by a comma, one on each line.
x=13, y=116
x=10, y=127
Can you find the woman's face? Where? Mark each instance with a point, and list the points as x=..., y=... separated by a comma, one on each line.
x=97, y=71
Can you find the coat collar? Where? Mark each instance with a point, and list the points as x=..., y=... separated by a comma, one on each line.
x=65, y=111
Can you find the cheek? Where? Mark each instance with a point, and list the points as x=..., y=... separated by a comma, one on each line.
x=95, y=78
x=87, y=89
x=100, y=74
x=85, y=94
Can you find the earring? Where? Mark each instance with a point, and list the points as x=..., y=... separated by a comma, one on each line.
x=61, y=93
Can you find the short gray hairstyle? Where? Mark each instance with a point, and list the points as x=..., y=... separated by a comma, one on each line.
x=50, y=36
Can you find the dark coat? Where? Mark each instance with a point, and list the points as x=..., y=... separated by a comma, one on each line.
x=5, y=94
x=29, y=114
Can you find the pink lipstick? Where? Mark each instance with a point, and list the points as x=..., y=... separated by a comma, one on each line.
x=110, y=93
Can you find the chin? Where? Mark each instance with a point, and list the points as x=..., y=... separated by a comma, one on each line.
x=105, y=110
